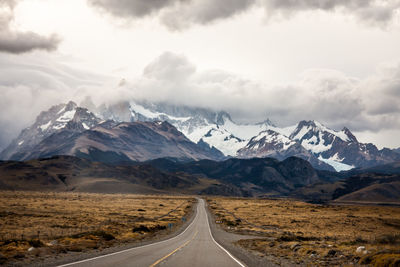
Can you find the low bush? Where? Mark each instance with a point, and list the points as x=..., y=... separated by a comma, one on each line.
x=36, y=243
x=290, y=238
x=100, y=233
x=382, y=259
x=144, y=228
x=388, y=239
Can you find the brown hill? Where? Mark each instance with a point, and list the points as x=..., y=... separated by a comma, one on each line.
x=67, y=173
x=365, y=187
x=382, y=193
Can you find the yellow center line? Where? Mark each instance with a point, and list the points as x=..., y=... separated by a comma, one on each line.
x=178, y=248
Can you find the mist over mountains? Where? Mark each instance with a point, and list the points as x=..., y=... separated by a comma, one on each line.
x=140, y=131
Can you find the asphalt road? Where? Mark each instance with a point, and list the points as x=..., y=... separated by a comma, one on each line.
x=195, y=246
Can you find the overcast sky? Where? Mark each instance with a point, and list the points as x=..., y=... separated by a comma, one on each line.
x=335, y=61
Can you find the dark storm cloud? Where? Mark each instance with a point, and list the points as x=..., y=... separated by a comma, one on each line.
x=12, y=41
x=181, y=14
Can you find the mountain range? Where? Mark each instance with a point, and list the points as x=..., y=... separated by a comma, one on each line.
x=140, y=131
x=71, y=130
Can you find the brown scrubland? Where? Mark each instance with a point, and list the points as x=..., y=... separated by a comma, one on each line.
x=36, y=225
x=311, y=234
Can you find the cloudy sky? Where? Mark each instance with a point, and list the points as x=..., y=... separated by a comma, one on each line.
x=335, y=61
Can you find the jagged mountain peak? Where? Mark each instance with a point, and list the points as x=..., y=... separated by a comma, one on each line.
x=270, y=143
x=58, y=117
x=222, y=117
x=71, y=105
x=349, y=134
x=267, y=122
x=309, y=129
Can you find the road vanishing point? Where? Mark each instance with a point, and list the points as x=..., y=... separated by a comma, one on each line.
x=194, y=247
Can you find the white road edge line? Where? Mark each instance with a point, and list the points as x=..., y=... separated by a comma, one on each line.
x=130, y=249
x=221, y=247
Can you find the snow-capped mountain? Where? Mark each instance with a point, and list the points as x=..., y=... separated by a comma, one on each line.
x=63, y=116
x=270, y=143
x=213, y=131
x=217, y=129
x=67, y=129
x=340, y=149
x=308, y=139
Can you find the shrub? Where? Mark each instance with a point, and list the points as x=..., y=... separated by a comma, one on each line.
x=387, y=260
x=140, y=228
x=144, y=228
x=106, y=236
x=36, y=243
x=388, y=239
x=100, y=233
x=289, y=238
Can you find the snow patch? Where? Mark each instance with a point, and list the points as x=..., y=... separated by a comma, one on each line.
x=244, y=131
x=85, y=126
x=45, y=126
x=153, y=115
x=338, y=166
x=336, y=157
x=196, y=134
x=67, y=116
x=316, y=145
x=286, y=131
x=145, y=112
x=59, y=126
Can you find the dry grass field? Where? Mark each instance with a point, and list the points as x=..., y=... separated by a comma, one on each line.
x=310, y=234
x=34, y=224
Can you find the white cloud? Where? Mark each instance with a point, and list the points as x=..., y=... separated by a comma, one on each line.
x=31, y=85
x=16, y=42
x=325, y=95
